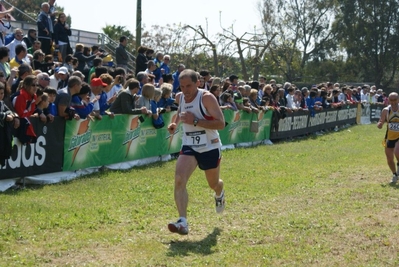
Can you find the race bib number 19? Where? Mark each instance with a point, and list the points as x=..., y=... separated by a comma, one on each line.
x=196, y=138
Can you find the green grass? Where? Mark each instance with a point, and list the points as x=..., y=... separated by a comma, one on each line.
x=322, y=201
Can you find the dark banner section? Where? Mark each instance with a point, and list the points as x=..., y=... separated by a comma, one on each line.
x=375, y=111
x=293, y=125
x=300, y=123
x=45, y=156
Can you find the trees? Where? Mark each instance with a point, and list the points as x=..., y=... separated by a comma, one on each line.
x=201, y=39
x=369, y=32
x=254, y=43
x=114, y=32
x=32, y=9
x=299, y=39
x=303, y=28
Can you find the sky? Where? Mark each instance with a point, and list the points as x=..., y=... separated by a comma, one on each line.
x=243, y=14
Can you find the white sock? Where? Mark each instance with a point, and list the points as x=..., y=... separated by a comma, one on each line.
x=221, y=194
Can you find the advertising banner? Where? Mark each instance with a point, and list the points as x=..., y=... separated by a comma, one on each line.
x=238, y=123
x=300, y=122
x=44, y=156
x=123, y=138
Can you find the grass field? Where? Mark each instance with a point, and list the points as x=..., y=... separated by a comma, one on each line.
x=320, y=201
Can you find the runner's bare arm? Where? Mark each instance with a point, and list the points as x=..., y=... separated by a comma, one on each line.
x=382, y=118
x=212, y=107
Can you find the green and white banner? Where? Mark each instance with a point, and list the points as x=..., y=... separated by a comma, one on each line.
x=131, y=137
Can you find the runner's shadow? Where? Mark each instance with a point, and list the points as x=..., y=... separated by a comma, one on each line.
x=395, y=186
x=204, y=246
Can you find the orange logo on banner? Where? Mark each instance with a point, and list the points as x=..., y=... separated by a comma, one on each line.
x=134, y=124
x=83, y=128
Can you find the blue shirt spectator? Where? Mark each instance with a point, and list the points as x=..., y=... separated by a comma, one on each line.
x=176, y=83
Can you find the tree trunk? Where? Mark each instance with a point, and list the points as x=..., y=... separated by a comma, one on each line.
x=215, y=60
x=242, y=60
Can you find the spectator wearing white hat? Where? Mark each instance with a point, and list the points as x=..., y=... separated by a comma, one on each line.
x=55, y=79
x=63, y=75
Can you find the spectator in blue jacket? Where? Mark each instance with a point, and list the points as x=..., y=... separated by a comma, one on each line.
x=176, y=83
x=158, y=72
x=165, y=65
x=81, y=102
x=311, y=103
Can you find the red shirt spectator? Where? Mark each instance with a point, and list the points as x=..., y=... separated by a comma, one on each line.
x=24, y=102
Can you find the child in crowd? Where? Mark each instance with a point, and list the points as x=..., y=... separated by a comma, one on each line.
x=52, y=94
x=41, y=105
x=157, y=119
x=227, y=100
x=266, y=103
x=166, y=101
x=68, y=63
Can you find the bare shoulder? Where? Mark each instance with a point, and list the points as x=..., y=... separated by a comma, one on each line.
x=205, y=92
x=386, y=108
x=177, y=97
x=209, y=99
x=384, y=112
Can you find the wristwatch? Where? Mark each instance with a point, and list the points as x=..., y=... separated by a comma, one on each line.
x=195, y=121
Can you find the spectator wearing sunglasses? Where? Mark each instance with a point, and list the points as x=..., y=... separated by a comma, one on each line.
x=18, y=39
x=43, y=81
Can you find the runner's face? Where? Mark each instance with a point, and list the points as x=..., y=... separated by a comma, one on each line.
x=189, y=88
x=393, y=99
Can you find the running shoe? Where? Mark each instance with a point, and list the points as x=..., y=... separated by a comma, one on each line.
x=180, y=227
x=394, y=179
x=220, y=203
